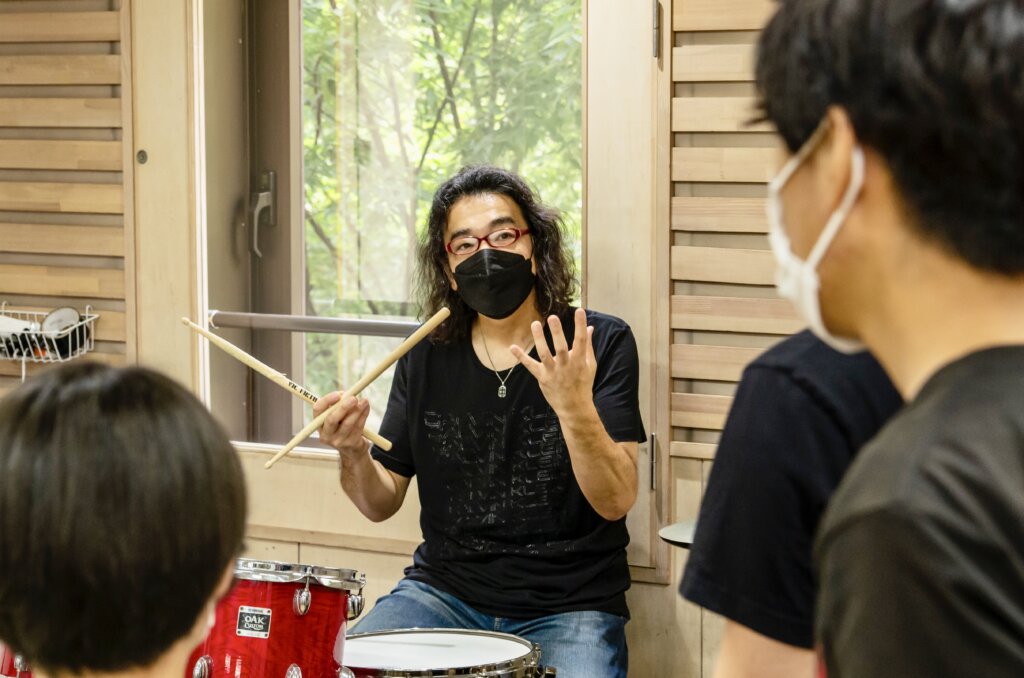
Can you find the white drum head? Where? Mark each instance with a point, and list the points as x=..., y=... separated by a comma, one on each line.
x=426, y=649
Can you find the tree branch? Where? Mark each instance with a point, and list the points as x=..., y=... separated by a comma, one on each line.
x=458, y=70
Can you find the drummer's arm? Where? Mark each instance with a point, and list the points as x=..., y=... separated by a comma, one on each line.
x=605, y=469
x=377, y=492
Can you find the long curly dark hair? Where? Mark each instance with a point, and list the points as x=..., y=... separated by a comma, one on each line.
x=556, y=269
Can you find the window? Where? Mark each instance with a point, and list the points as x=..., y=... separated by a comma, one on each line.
x=396, y=96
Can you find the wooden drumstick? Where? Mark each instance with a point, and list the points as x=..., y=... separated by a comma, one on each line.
x=403, y=348
x=274, y=376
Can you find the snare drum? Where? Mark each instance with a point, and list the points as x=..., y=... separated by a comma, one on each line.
x=280, y=621
x=453, y=653
x=12, y=665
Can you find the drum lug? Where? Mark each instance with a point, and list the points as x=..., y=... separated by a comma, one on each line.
x=20, y=665
x=203, y=667
x=345, y=673
x=355, y=605
x=302, y=600
x=293, y=672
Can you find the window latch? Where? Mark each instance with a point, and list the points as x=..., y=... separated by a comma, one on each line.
x=261, y=201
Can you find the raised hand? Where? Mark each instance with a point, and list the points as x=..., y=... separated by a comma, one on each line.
x=343, y=429
x=566, y=378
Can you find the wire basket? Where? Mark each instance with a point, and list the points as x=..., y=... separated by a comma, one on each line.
x=41, y=337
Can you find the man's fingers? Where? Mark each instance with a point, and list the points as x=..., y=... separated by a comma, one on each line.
x=325, y=402
x=558, y=337
x=538, y=339
x=580, y=334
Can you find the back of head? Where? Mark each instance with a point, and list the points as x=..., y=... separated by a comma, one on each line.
x=122, y=503
x=936, y=87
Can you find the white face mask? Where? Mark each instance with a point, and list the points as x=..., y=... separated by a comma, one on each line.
x=795, y=279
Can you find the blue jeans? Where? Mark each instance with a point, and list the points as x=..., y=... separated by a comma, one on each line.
x=578, y=644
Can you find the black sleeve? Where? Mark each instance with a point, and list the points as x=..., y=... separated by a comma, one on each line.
x=617, y=384
x=751, y=560
x=395, y=425
x=888, y=571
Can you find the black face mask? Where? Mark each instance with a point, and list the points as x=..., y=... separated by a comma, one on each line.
x=494, y=283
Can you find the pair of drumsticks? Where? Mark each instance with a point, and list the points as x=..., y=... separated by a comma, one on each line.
x=281, y=380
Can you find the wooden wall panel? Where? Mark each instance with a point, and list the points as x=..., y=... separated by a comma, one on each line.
x=29, y=196
x=62, y=281
x=723, y=264
x=720, y=15
x=737, y=165
x=723, y=307
x=60, y=154
x=734, y=314
x=60, y=27
x=713, y=63
x=66, y=242
x=95, y=241
x=719, y=215
x=51, y=112
x=63, y=69
x=716, y=114
x=710, y=363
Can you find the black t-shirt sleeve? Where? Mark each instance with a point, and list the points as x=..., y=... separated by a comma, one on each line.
x=888, y=571
x=395, y=424
x=751, y=560
x=617, y=383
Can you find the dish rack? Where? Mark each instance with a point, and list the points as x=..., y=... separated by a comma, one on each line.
x=36, y=345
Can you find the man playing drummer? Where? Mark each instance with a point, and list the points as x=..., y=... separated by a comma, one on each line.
x=521, y=419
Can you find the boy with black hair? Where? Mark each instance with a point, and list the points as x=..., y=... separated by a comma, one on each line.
x=122, y=510
x=898, y=224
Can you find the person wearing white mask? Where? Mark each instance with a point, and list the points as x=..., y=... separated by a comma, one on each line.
x=899, y=226
x=122, y=510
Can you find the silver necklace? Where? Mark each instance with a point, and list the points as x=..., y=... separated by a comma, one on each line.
x=502, y=391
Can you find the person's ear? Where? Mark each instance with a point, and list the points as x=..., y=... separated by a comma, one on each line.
x=836, y=155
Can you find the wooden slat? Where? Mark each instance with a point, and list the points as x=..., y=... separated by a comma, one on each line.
x=100, y=241
x=60, y=27
x=110, y=325
x=713, y=63
x=719, y=215
x=12, y=368
x=60, y=155
x=723, y=264
x=694, y=410
x=712, y=363
x=734, y=314
x=716, y=114
x=702, y=451
x=65, y=69
x=60, y=112
x=721, y=15
x=62, y=281
x=18, y=196
x=729, y=164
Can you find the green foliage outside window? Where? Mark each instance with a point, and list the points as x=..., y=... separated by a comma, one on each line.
x=397, y=96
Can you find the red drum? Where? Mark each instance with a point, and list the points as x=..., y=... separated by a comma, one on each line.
x=453, y=653
x=12, y=665
x=280, y=621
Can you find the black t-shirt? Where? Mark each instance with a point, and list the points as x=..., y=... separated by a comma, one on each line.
x=801, y=412
x=505, y=525
x=921, y=554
